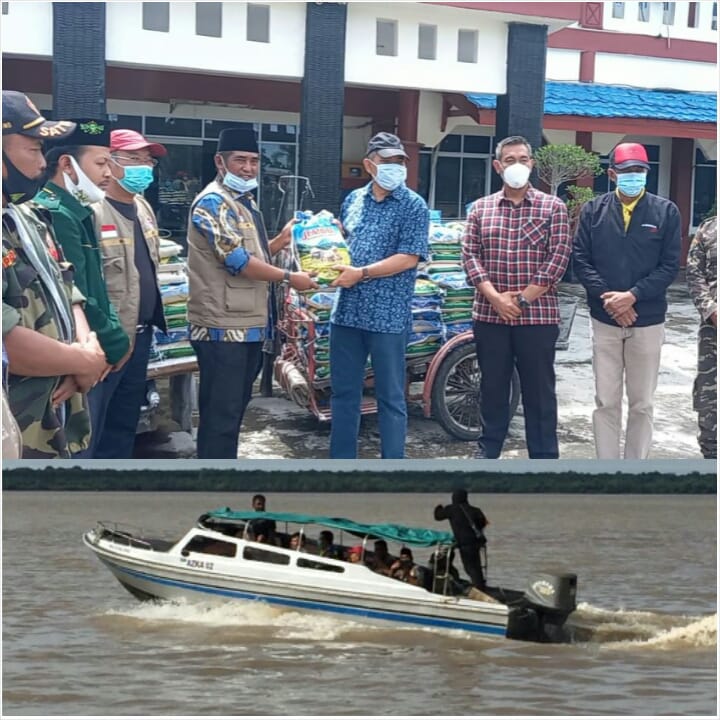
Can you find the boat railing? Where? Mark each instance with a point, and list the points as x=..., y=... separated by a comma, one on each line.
x=123, y=534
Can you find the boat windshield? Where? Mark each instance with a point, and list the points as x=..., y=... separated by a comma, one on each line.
x=417, y=537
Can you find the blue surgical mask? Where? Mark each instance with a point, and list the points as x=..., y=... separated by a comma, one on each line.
x=137, y=178
x=631, y=184
x=390, y=176
x=241, y=185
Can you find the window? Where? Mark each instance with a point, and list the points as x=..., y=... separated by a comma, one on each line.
x=267, y=556
x=644, y=11
x=467, y=46
x=714, y=17
x=668, y=13
x=209, y=546
x=258, y=23
x=315, y=565
x=173, y=126
x=386, y=37
x=5, y=8
x=156, y=16
x=618, y=10
x=704, y=187
x=208, y=19
x=692, y=15
x=427, y=42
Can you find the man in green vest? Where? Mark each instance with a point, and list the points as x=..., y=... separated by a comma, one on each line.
x=52, y=356
x=79, y=167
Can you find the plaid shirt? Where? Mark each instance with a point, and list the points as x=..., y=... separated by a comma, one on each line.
x=516, y=246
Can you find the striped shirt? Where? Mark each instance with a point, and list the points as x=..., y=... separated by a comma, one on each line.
x=514, y=246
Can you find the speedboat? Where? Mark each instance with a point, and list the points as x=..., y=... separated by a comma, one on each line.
x=220, y=560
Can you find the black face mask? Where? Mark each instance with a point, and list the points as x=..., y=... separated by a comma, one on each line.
x=19, y=188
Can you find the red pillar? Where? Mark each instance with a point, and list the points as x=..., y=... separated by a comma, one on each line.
x=407, y=132
x=681, y=171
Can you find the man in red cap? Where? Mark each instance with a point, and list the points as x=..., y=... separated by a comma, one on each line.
x=626, y=254
x=129, y=243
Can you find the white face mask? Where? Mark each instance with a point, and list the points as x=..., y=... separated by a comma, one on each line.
x=85, y=192
x=516, y=176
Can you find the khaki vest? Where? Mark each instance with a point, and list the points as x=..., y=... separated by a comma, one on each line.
x=118, y=249
x=218, y=299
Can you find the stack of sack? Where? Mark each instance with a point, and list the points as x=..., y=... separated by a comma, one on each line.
x=173, y=281
x=445, y=269
x=426, y=334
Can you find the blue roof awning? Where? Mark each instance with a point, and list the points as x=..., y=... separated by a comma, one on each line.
x=617, y=101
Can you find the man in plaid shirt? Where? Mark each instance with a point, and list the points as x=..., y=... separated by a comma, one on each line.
x=516, y=248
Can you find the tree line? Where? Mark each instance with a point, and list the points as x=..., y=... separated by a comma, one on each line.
x=106, y=479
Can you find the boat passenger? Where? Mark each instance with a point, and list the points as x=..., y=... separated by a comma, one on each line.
x=327, y=547
x=467, y=523
x=297, y=541
x=261, y=530
x=405, y=569
x=382, y=560
x=354, y=554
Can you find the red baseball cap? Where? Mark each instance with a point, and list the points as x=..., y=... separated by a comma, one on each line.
x=627, y=155
x=132, y=140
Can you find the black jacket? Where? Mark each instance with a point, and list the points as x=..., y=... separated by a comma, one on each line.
x=644, y=260
x=462, y=516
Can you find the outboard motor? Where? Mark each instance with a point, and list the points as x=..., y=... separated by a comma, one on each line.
x=543, y=609
x=554, y=593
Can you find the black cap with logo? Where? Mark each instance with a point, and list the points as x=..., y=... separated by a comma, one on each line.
x=21, y=117
x=87, y=132
x=386, y=145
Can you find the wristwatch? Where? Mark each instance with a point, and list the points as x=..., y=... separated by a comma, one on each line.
x=365, y=274
x=523, y=302
x=286, y=278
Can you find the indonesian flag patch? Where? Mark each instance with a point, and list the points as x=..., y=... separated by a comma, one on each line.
x=108, y=231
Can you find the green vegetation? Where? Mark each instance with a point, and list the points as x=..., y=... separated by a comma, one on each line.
x=557, y=164
x=361, y=481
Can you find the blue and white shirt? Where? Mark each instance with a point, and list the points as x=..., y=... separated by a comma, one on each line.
x=375, y=231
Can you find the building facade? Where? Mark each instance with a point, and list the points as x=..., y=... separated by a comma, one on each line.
x=318, y=79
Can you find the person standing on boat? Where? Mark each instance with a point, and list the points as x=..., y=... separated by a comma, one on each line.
x=230, y=277
x=386, y=225
x=515, y=250
x=626, y=253
x=263, y=530
x=468, y=524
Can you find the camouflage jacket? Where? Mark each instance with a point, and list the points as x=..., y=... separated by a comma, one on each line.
x=701, y=271
x=47, y=432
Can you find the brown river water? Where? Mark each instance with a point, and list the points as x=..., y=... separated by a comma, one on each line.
x=76, y=643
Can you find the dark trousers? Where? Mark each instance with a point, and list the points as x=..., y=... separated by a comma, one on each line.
x=227, y=372
x=532, y=349
x=470, y=556
x=124, y=394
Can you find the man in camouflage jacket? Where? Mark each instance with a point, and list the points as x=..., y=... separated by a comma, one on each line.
x=701, y=276
x=52, y=357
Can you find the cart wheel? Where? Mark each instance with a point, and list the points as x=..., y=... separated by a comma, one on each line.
x=455, y=396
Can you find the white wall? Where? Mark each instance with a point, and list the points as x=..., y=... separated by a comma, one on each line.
x=640, y=71
x=27, y=29
x=283, y=57
x=562, y=65
x=655, y=26
x=364, y=66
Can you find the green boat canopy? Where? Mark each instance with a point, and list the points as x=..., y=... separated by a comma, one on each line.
x=417, y=537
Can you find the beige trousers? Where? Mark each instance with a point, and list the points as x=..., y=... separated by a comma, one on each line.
x=629, y=356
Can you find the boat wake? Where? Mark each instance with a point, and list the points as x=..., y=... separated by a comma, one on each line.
x=249, y=616
x=618, y=629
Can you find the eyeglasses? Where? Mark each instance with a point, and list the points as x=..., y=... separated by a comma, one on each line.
x=124, y=161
